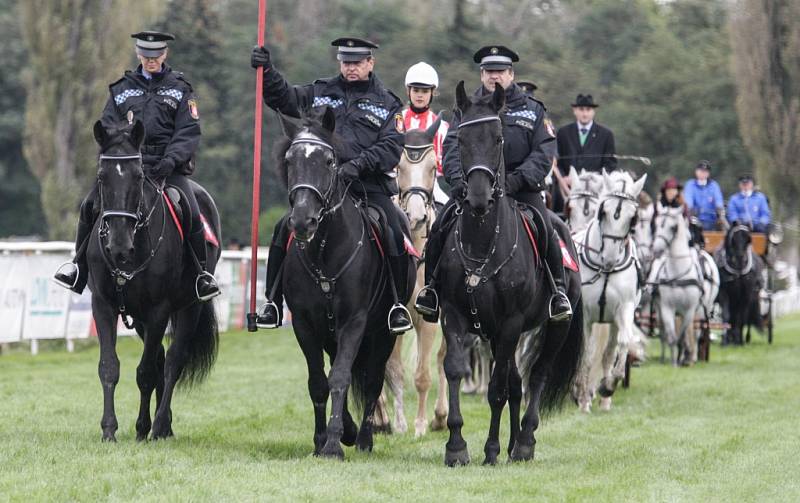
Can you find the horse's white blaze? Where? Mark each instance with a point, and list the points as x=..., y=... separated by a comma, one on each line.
x=119, y=169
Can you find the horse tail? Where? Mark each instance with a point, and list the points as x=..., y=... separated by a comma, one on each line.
x=200, y=346
x=565, y=366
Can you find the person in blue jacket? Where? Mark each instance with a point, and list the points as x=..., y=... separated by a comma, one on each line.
x=703, y=197
x=749, y=206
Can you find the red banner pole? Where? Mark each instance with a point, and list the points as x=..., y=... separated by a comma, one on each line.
x=251, y=315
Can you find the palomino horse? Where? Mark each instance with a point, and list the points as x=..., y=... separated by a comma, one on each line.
x=583, y=199
x=336, y=285
x=610, y=289
x=416, y=177
x=492, y=284
x=140, y=268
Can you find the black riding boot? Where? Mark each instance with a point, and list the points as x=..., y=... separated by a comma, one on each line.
x=271, y=313
x=559, y=305
x=399, y=317
x=205, y=285
x=74, y=275
x=427, y=301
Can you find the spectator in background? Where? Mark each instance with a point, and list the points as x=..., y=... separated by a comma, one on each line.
x=703, y=198
x=671, y=194
x=749, y=206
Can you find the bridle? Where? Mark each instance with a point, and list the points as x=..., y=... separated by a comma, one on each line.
x=588, y=196
x=666, y=241
x=493, y=175
x=748, y=265
x=621, y=197
x=326, y=197
x=415, y=154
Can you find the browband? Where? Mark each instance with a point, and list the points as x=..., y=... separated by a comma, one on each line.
x=479, y=120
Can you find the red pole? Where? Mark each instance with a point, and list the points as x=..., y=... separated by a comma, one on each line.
x=251, y=316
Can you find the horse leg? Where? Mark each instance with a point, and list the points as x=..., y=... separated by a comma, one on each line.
x=668, y=335
x=380, y=419
x=584, y=383
x=148, y=375
x=105, y=318
x=455, y=368
x=498, y=393
x=426, y=333
x=514, y=402
x=375, y=370
x=439, y=421
x=317, y=381
x=611, y=356
x=395, y=378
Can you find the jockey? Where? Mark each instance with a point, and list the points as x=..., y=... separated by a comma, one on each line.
x=421, y=84
x=703, y=197
x=528, y=150
x=164, y=101
x=368, y=121
x=749, y=206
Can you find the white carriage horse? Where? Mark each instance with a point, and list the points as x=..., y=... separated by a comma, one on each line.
x=687, y=282
x=611, y=292
x=583, y=198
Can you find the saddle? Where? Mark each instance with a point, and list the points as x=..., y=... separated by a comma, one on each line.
x=377, y=220
x=182, y=217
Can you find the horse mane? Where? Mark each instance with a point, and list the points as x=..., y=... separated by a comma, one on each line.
x=308, y=124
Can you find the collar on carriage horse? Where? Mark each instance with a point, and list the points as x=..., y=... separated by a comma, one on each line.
x=737, y=273
x=630, y=257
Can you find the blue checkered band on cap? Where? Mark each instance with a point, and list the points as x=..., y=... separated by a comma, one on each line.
x=528, y=114
x=379, y=111
x=123, y=96
x=321, y=101
x=174, y=93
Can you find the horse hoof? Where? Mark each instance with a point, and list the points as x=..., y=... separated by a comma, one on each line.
x=586, y=407
x=439, y=423
x=332, y=450
x=109, y=437
x=350, y=434
x=456, y=458
x=162, y=433
x=142, y=436
x=420, y=428
x=521, y=452
x=605, y=404
x=490, y=460
x=401, y=426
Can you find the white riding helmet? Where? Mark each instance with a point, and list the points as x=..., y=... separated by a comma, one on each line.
x=422, y=75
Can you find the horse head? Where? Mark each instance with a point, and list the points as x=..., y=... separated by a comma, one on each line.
x=583, y=199
x=480, y=144
x=737, y=245
x=669, y=229
x=617, y=213
x=307, y=161
x=120, y=181
x=416, y=175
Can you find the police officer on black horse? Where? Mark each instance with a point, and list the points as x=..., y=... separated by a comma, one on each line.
x=164, y=102
x=368, y=123
x=528, y=151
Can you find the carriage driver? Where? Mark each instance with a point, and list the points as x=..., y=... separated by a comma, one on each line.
x=164, y=102
x=529, y=149
x=369, y=124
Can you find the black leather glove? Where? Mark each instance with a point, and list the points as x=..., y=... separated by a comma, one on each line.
x=260, y=57
x=514, y=183
x=164, y=168
x=458, y=190
x=350, y=171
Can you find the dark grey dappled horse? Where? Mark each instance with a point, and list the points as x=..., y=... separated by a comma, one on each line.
x=139, y=268
x=493, y=284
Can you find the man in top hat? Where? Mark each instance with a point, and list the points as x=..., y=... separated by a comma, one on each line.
x=368, y=123
x=164, y=102
x=703, y=197
x=528, y=151
x=527, y=87
x=749, y=206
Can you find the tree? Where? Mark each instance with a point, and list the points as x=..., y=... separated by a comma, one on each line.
x=765, y=37
x=75, y=49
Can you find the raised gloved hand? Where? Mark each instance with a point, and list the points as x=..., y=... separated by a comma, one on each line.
x=514, y=183
x=260, y=57
x=458, y=190
x=164, y=168
x=350, y=171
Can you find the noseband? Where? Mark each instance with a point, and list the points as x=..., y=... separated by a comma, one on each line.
x=480, y=167
x=622, y=197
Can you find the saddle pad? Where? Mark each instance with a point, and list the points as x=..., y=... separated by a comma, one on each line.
x=567, y=259
x=211, y=238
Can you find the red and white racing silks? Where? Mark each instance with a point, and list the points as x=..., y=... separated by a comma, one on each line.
x=424, y=120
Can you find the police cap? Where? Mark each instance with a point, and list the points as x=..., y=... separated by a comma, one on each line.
x=151, y=44
x=353, y=49
x=495, y=57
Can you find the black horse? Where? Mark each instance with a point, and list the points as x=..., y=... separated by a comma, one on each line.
x=336, y=284
x=139, y=268
x=741, y=279
x=493, y=284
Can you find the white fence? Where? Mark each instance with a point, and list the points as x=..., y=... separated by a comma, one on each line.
x=33, y=308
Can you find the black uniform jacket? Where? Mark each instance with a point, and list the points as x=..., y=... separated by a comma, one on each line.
x=365, y=121
x=598, y=149
x=529, y=141
x=167, y=107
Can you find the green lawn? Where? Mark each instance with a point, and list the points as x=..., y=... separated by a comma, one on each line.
x=723, y=431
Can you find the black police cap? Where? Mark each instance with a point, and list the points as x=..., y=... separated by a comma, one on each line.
x=495, y=57
x=353, y=49
x=151, y=44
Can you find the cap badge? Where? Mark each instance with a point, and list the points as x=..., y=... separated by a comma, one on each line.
x=349, y=43
x=150, y=38
x=494, y=50
x=129, y=116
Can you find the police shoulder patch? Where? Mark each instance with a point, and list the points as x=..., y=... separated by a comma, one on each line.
x=399, y=124
x=548, y=125
x=193, y=111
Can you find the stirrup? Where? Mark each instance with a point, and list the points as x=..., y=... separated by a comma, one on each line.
x=566, y=315
x=263, y=309
x=423, y=309
x=62, y=283
x=404, y=328
x=205, y=274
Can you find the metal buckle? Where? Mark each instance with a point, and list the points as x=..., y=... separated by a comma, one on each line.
x=274, y=306
x=404, y=328
x=425, y=309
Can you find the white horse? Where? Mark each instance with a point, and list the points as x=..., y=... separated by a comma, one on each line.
x=685, y=282
x=416, y=177
x=611, y=290
x=583, y=199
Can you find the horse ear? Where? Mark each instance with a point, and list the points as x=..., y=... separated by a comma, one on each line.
x=137, y=134
x=498, y=97
x=329, y=119
x=100, y=135
x=430, y=133
x=462, y=101
x=609, y=187
x=289, y=127
x=638, y=185
x=574, y=179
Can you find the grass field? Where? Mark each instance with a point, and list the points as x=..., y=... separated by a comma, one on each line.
x=723, y=431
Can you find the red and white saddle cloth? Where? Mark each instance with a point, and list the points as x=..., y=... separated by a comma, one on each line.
x=207, y=229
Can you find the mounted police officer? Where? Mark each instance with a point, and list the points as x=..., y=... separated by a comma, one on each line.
x=368, y=121
x=164, y=102
x=528, y=151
